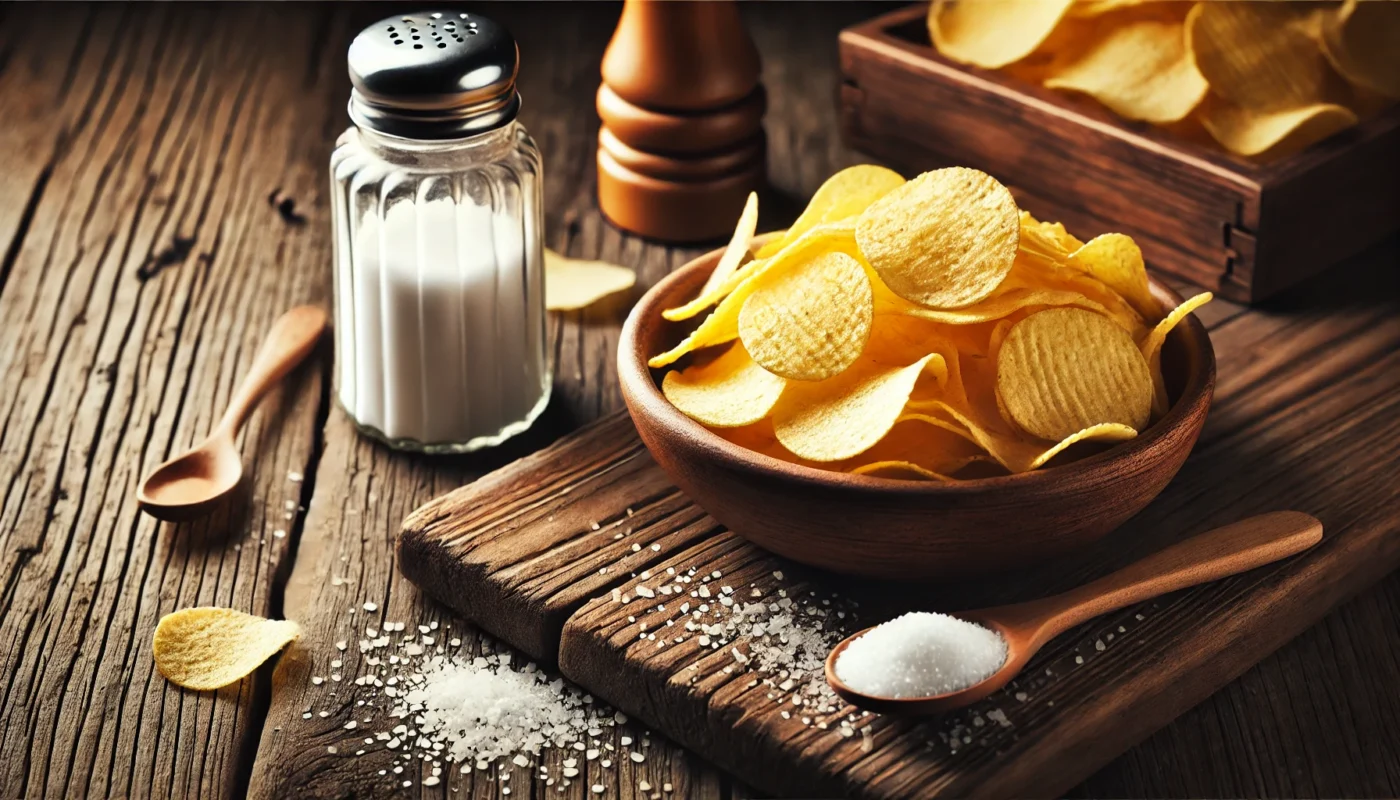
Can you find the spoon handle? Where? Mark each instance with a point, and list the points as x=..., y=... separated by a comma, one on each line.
x=1228, y=550
x=292, y=338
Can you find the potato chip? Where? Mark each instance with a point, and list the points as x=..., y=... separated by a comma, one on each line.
x=727, y=392
x=844, y=195
x=1258, y=56
x=1151, y=346
x=832, y=235
x=1034, y=271
x=209, y=648
x=1115, y=259
x=760, y=438
x=1065, y=370
x=572, y=283
x=1011, y=451
x=1253, y=133
x=1362, y=42
x=722, y=325
x=992, y=34
x=997, y=307
x=1139, y=68
x=810, y=322
x=844, y=416
x=1094, y=8
x=1046, y=238
x=737, y=248
x=913, y=447
x=945, y=239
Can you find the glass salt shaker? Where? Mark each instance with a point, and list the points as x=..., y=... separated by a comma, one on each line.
x=439, y=292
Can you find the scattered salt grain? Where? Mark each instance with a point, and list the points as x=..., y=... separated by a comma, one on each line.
x=919, y=655
x=371, y=607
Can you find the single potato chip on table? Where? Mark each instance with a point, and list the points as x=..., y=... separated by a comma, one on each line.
x=209, y=648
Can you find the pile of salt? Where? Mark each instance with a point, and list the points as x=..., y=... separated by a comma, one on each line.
x=920, y=654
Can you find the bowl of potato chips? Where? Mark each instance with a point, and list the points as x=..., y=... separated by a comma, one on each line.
x=917, y=379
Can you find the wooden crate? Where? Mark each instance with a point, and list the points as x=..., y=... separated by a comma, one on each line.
x=1243, y=228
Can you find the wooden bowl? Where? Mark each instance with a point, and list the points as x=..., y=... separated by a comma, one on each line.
x=900, y=529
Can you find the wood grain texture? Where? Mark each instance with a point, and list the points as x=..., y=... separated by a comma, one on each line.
x=130, y=310
x=1242, y=228
x=140, y=263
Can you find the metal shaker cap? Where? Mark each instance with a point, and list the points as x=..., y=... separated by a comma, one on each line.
x=433, y=75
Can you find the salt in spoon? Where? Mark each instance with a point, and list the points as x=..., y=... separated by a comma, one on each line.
x=1026, y=627
x=193, y=484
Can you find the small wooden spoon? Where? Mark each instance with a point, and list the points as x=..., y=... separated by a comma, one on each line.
x=1225, y=551
x=192, y=484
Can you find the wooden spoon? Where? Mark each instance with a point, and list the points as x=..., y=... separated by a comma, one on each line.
x=1225, y=551
x=192, y=484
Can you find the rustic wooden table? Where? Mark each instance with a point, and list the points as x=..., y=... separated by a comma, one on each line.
x=163, y=196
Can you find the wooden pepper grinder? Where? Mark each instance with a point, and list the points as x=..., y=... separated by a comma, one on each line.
x=681, y=143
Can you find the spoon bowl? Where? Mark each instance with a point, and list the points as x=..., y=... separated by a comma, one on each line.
x=196, y=482
x=191, y=485
x=1027, y=627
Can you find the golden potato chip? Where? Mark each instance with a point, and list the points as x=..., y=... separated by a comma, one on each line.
x=1015, y=453
x=833, y=235
x=1115, y=259
x=727, y=392
x=843, y=195
x=893, y=469
x=571, y=283
x=209, y=648
x=992, y=34
x=915, y=447
x=945, y=239
x=1252, y=133
x=1064, y=370
x=1138, y=68
x=1094, y=8
x=1362, y=42
x=1032, y=270
x=722, y=325
x=842, y=417
x=810, y=322
x=1259, y=56
x=999, y=306
x=1151, y=346
x=737, y=248
x=1046, y=238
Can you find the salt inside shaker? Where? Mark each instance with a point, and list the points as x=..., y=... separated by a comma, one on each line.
x=439, y=293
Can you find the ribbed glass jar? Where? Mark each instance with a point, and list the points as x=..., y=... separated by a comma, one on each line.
x=439, y=291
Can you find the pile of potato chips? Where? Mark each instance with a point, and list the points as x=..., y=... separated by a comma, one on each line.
x=1264, y=78
x=921, y=329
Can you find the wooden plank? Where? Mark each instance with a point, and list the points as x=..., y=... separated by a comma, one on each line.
x=130, y=310
x=525, y=540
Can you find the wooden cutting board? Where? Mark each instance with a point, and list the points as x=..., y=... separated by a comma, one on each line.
x=1306, y=416
x=534, y=552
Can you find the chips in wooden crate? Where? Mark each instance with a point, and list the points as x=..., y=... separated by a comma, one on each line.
x=1262, y=78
